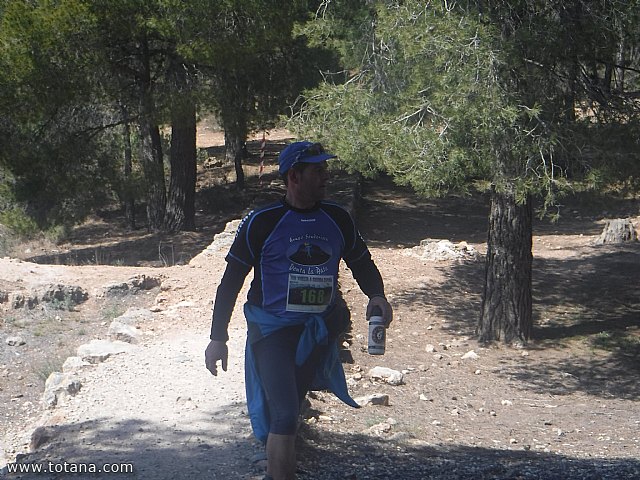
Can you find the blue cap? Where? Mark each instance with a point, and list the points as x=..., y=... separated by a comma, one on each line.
x=305, y=152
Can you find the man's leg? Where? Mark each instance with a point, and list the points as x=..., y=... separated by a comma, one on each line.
x=281, y=456
x=275, y=360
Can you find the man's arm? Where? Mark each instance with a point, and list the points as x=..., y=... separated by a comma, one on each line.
x=226, y=296
x=369, y=280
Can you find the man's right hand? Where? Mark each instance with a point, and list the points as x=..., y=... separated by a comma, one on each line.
x=216, y=350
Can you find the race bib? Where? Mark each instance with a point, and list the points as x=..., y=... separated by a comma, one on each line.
x=309, y=293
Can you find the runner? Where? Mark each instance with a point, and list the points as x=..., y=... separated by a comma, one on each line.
x=294, y=309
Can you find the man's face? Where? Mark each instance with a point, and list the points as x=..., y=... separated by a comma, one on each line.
x=312, y=182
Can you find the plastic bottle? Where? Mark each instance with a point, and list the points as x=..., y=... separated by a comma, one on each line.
x=377, y=332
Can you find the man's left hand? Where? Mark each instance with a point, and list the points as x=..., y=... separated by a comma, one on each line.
x=385, y=307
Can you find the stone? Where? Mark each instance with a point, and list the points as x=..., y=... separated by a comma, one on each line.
x=97, y=351
x=379, y=429
x=387, y=375
x=440, y=250
x=470, y=355
x=373, y=399
x=135, y=316
x=15, y=341
x=58, y=386
x=40, y=436
x=64, y=297
x=73, y=364
x=131, y=287
x=123, y=332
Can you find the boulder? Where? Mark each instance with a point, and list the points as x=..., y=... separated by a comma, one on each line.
x=58, y=386
x=387, y=375
x=97, y=351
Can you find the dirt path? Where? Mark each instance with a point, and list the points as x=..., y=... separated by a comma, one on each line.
x=157, y=407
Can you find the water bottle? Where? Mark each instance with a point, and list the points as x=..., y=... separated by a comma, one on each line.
x=377, y=332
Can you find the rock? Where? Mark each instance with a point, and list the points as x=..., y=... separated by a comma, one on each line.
x=387, y=375
x=57, y=386
x=123, y=332
x=373, y=399
x=470, y=355
x=135, y=316
x=441, y=250
x=73, y=364
x=617, y=231
x=430, y=348
x=15, y=341
x=223, y=240
x=64, y=297
x=130, y=287
x=40, y=436
x=97, y=351
x=379, y=429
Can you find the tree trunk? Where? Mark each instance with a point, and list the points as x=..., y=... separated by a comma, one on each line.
x=152, y=165
x=234, y=143
x=151, y=149
x=181, y=209
x=129, y=198
x=620, y=61
x=506, y=303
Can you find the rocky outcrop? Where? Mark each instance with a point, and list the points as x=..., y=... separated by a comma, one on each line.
x=130, y=287
x=56, y=296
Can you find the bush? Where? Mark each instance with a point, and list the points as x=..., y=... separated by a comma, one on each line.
x=21, y=224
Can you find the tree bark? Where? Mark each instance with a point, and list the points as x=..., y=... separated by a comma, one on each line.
x=234, y=143
x=181, y=208
x=129, y=198
x=506, y=304
x=151, y=148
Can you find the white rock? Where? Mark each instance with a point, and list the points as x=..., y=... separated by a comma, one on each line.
x=470, y=355
x=135, y=316
x=73, y=364
x=388, y=375
x=97, y=351
x=58, y=386
x=15, y=341
x=373, y=399
x=124, y=332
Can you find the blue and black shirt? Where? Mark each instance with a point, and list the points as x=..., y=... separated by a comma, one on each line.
x=295, y=255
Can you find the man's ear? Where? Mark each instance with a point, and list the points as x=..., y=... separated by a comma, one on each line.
x=293, y=176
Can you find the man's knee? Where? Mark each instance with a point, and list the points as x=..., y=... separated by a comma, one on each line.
x=284, y=422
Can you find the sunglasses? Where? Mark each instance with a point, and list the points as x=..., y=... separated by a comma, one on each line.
x=311, y=151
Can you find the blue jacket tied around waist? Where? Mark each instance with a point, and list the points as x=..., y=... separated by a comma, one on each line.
x=329, y=377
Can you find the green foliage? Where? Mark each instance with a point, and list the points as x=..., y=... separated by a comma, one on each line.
x=73, y=71
x=428, y=105
x=19, y=222
x=444, y=96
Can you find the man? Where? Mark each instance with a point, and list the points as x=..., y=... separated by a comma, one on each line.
x=293, y=307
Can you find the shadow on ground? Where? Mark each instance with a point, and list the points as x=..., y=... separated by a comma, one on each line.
x=586, y=306
x=325, y=456
x=154, y=451
x=587, y=309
